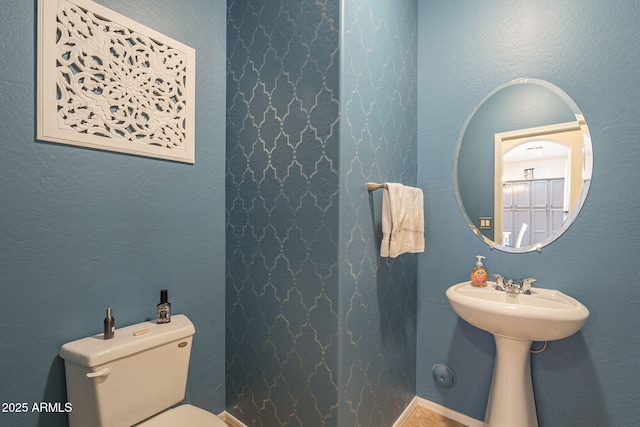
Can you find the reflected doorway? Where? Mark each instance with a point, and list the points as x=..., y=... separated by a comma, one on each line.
x=535, y=184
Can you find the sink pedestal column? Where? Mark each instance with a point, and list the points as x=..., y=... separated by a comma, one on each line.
x=511, y=401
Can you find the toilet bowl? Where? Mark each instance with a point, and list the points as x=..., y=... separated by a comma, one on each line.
x=133, y=379
x=183, y=415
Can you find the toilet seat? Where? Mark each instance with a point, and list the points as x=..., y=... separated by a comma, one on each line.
x=183, y=415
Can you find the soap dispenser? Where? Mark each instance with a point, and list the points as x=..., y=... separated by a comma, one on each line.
x=479, y=274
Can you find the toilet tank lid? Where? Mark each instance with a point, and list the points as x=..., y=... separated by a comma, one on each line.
x=95, y=351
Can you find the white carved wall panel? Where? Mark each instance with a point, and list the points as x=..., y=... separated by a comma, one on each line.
x=110, y=83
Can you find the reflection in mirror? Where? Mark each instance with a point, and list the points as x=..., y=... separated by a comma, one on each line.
x=523, y=165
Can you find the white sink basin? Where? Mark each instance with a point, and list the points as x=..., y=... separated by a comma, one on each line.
x=545, y=315
x=516, y=320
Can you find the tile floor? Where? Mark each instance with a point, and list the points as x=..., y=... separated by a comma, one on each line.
x=421, y=417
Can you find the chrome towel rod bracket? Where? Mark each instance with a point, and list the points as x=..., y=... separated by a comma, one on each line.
x=374, y=186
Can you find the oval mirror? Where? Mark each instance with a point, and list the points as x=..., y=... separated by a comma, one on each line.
x=522, y=165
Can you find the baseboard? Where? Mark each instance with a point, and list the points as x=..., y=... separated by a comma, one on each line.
x=231, y=420
x=438, y=409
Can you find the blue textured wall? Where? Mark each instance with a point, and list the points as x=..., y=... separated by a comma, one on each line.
x=317, y=332
x=83, y=230
x=590, y=50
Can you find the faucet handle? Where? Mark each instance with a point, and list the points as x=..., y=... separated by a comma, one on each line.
x=499, y=282
x=526, y=285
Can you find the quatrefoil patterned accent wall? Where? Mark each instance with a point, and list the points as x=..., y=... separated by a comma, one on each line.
x=378, y=142
x=282, y=213
x=320, y=331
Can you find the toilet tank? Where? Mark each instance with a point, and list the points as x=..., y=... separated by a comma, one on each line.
x=137, y=374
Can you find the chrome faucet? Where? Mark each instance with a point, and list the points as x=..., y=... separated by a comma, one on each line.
x=509, y=286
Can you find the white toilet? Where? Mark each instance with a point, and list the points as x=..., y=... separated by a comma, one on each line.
x=134, y=378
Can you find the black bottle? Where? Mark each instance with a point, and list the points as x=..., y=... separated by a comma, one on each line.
x=109, y=325
x=163, y=310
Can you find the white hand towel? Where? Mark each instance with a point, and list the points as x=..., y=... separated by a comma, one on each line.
x=402, y=220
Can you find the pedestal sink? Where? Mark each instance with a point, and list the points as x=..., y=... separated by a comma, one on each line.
x=516, y=321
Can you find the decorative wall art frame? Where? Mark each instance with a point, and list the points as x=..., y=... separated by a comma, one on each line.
x=110, y=83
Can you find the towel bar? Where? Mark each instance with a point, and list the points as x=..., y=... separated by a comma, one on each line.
x=374, y=186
